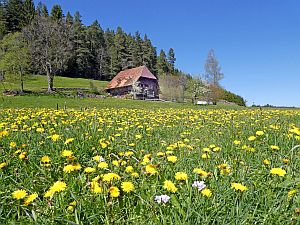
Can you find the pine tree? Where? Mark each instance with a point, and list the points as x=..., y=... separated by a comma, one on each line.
x=3, y=25
x=69, y=19
x=41, y=10
x=149, y=55
x=137, y=50
x=162, y=63
x=146, y=46
x=81, y=50
x=56, y=13
x=112, y=54
x=97, y=50
x=171, y=60
x=28, y=12
x=120, y=44
x=14, y=16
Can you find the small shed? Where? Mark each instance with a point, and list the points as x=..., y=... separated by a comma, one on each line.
x=138, y=81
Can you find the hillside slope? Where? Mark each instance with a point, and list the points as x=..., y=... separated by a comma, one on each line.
x=39, y=83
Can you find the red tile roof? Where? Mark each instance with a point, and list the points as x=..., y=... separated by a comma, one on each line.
x=129, y=77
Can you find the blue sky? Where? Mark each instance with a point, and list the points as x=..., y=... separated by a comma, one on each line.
x=257, y=42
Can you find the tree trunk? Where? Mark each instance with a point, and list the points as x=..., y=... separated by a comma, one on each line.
x=50, y=81
x=21, y=80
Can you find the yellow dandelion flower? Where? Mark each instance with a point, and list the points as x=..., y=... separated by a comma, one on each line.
x=216, y=149
x=172, y=159
x=236, y=142
x=103, y=144
x=102, y=165
x=67, y=153
x=239, y=187
x=291, y=193
x=114, y=192
x=138, y=136
x=160, y=154
x=206, y=192
x=49, y=194
x=201, y=172
x=30, y=199
x=266, y=162
x=77, y=166
x=69, y=168
x=19, y=194
x=69, y=140
x=251, y=138
x=2, y=165
x=181, y=176
x=115, y=163
x=13, y=144
x=205, y=156
x=4, y=133
x=89, y=170
x=40, y=129
x=285, y=161
x=278, y=171
x=170, y=186
x=129, y=169
x=22, y=155
x=151, y=169
x=134, y=174
x=127, y=186
x=274, y=147
x=259, y=133
x=110, y=176
x=95, y=187
x=206, y=150
x=58, y=186
x=45, y=159
x=55, y=137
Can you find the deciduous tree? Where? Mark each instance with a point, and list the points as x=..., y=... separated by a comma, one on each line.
x=14, y=58
x=50, y=46
x=213, y=73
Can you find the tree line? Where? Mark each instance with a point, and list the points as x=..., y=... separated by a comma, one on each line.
x=82, y=51
x=34, y=40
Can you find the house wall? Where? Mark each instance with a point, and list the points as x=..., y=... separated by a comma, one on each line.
x=120, y=91
x=150, y=84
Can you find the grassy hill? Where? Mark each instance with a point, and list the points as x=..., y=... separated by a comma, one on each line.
x=39, y=83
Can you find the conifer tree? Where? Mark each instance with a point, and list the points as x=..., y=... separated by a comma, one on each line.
x=14, y=16
x=69, y=19
x=171, y=60
x=137, y=50
x=56, y=13
x=120, y=44
x=81, y=50
x=162, y=63
x=3, y=25
x=28, y=12
x=97, y=50
x=41, y=10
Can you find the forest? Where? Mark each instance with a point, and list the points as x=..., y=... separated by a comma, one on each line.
x=34, y=40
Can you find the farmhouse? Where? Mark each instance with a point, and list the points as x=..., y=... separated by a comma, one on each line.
x=139, y=82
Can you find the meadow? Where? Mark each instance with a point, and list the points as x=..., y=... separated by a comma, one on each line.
x=149, y=166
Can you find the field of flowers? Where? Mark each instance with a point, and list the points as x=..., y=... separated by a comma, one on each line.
x=163, y=166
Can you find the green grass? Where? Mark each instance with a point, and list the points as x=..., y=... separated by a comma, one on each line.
x=133, y=137
x=39, y=83
x=52, y=101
